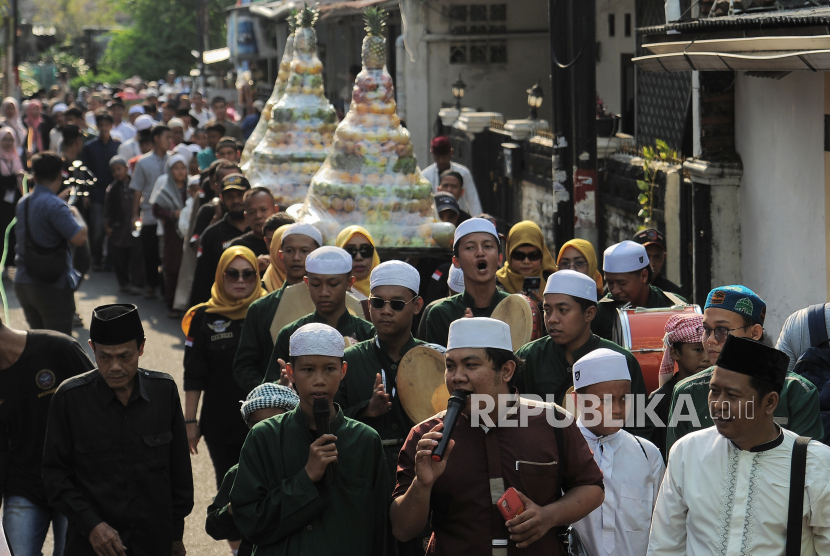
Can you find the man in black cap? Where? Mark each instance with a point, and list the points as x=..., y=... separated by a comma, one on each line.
x=116, y=461
x=447, y=207
x=655, y=243
x=745, y=463
x=219, y=236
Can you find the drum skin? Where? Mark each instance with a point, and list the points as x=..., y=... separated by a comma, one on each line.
x=641, y=331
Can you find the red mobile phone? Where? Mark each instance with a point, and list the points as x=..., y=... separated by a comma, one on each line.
x=509, y=504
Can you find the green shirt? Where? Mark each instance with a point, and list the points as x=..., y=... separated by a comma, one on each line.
x=435, y=325
x=603, y=323
x=279, y=509
x=365, y=361
x=798, y=407
x=255, y=343
x=219, y=523
x=347, y=325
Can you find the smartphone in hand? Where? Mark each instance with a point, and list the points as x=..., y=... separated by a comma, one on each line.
x=509, y=504
x=531, y=284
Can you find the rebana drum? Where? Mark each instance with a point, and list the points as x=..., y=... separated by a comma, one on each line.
x=641, y=331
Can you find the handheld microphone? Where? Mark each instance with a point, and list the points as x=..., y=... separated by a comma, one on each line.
x=322, y=412
x=454, y=406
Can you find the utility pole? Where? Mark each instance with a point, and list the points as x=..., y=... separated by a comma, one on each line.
x=12, y=75
x=201, y=35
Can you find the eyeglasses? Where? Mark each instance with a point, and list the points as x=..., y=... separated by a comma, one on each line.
x=366, y=251
x=517, y=255
x=233, y=275
x=577, y=264
x=396, y=304
x=721, y=332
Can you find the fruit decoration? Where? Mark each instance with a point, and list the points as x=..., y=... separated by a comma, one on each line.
x=276, y=95
x=371, y=176
x=301, y=126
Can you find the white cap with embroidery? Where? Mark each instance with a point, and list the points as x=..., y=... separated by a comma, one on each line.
x=601, y=365
x=395, y=273
x=328, y=260
x=479, y=332
x=316, y=339
x=627, y=256
x=572, y=283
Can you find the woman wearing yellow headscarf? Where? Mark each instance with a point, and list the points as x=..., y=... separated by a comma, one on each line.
x=359, y=244
x=213, y=330
x=527, y=257
x=275, y=273
x=579, y=255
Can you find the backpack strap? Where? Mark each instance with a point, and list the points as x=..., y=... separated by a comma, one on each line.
x=798, y=470
x=816, y=324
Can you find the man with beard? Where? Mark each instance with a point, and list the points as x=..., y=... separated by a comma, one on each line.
x=218, y=237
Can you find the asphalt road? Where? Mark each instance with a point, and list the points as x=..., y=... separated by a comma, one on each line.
x=164, y=351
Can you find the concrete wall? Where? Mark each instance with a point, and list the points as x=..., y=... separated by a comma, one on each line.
x=610, y=48
x=779, y=134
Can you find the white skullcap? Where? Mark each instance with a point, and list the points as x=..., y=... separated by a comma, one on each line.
x=194, y=180
x=601, y=365
x=175, y=122
x=479, y=333
x=151, y=93
x=305, y=230
x=59, y=107
x=456, y=279
x=474, y=225
x=182, y=150
x=328, y=260
x=627, y=256
x=173, y=159
x=194, y=148
x=572, y=283
x=144, y=122
x=135, y=109
x=316, y=339
x=395, y=273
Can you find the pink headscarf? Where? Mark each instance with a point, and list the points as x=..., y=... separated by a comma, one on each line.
x=10, y=164
x=679, y=328
x=33, y=122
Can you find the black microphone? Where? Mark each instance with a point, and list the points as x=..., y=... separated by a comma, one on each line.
x=322, y=411
x=454, y=406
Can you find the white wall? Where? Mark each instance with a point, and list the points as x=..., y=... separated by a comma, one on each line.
x=779, y=133
x=610, y=48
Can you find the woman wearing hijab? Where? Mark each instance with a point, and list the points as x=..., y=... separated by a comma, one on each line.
x=579, y=255
x=11, y=179
x=213, y=331
x=34, y=138
x=275, y=274
x=11, y=118
x=358, y=243
x=168, y=198
x=527, y=257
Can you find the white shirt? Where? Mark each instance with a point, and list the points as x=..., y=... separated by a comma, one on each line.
x=632, y=469
x=719, y=499
x=202, y=117
x=128, y=149
x=469, y=201
x=125, y=129
x=184, y=217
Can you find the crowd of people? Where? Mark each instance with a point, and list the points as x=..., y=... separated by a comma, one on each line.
x=304, y=362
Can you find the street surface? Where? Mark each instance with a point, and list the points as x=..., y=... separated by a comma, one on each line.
x=164, y=351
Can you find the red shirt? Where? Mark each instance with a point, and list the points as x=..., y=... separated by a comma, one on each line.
x=464, y=518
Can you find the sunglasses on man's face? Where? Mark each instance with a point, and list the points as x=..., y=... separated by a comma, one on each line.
x=366, y=251
x=521, y=255
x=396, y=304
x=233, y=275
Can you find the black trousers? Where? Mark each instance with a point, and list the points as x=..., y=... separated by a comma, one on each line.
x=152, y=260
x=46, y=308
x=127, y=262
x=223, y=456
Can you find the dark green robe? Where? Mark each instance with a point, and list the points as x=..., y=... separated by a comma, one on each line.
x=255, y=343
x=219, y=523
x=603, y=323
x=435, y=325
x=279, y=509
x=347, y=325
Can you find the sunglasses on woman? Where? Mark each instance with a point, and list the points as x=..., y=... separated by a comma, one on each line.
x=366, y=251
x=233, y=275
x=521, y=255
x=396, y=304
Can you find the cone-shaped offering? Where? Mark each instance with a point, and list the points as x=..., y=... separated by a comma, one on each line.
x=301, y=126
x=371, y=176
x=276, y=95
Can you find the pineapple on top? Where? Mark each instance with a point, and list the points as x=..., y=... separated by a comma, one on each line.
x=302, y=123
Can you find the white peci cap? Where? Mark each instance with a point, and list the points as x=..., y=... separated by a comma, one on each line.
x=305, y=230
x=328, y=260
x=135, y=109
x=182, y=150
x=572, y=283
x=456, y=279
x=479, y=332
x=474, y=225
x=144, y=122
x=601, y=365
x=395, y=273
x=175, y=122
x=627, y=256
x=316, y=339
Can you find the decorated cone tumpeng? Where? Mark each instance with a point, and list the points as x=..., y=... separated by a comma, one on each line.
x=302, y=123
x=276, y=95
x=371, y=177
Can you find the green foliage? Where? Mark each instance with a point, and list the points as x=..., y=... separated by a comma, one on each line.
x=375, y=21
x=661, y=152
x=90, y=78
x=307, y=18
x=71, y=16
x=63, y=60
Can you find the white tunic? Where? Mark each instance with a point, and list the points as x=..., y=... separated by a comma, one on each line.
x=632, y=469
x=469, y=201
x=719, y=499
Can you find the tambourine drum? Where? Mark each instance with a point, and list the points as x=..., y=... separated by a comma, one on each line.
x=523, y=317
x=295, y=303
x=420, y=383
x=641, y=331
